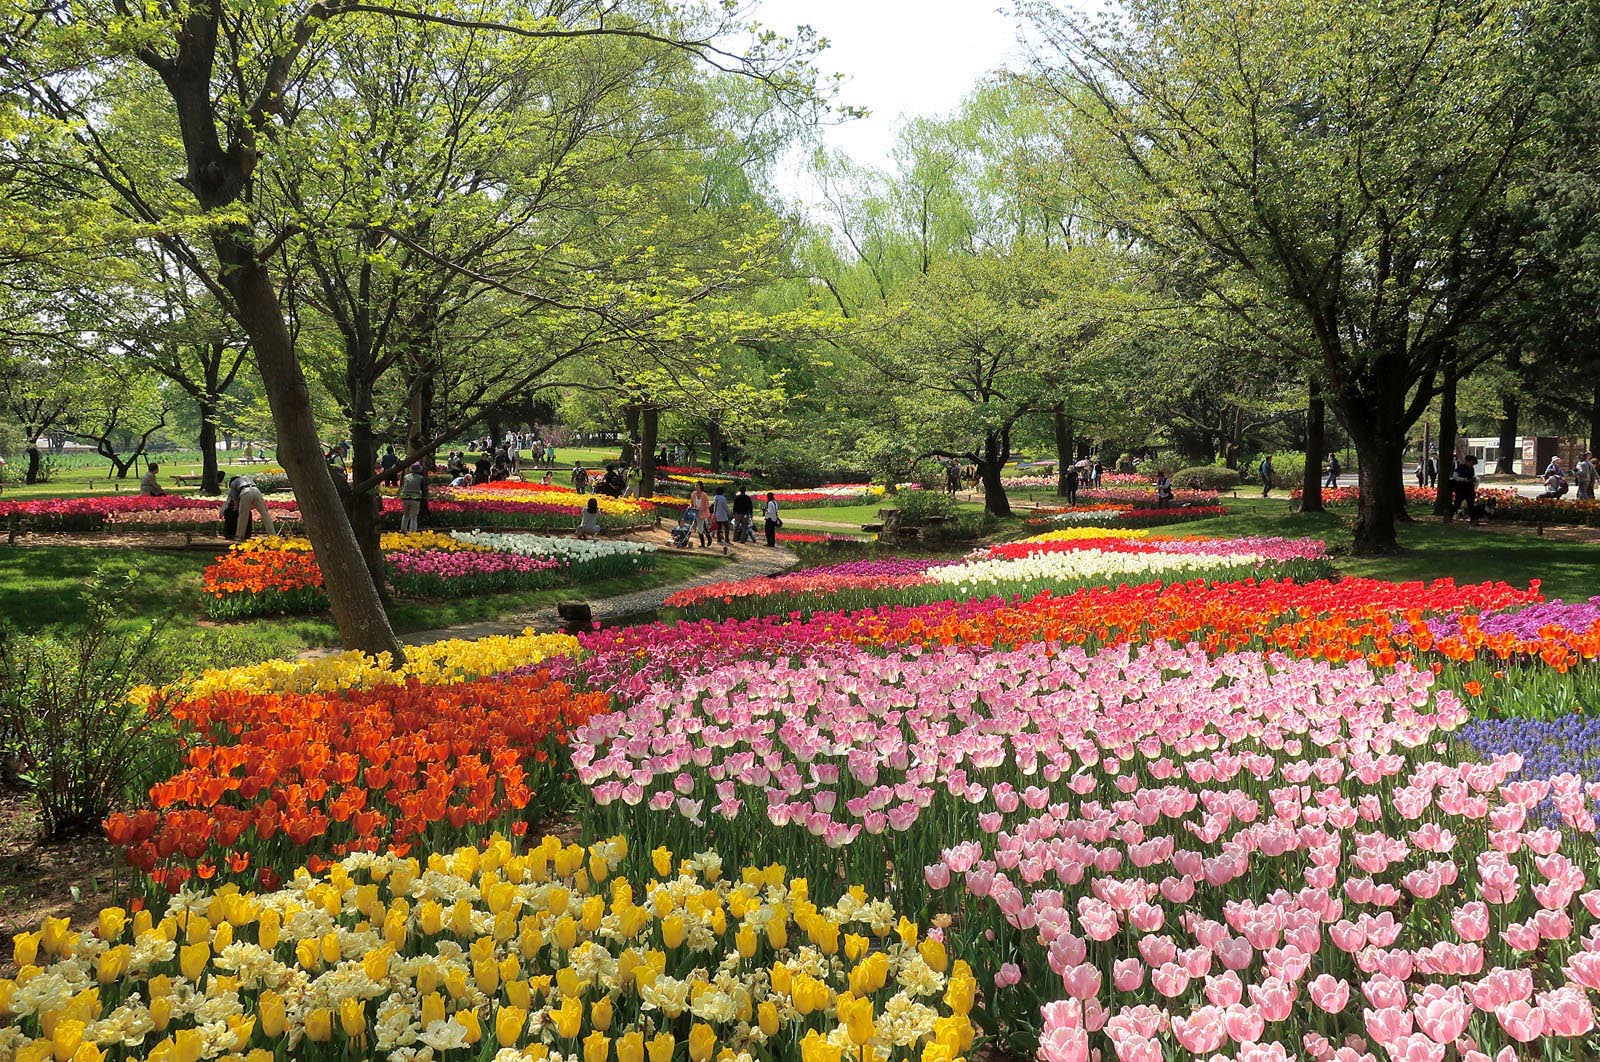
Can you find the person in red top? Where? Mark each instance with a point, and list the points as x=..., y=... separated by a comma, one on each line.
x=700, y=501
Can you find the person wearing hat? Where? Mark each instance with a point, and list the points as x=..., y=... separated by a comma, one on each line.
x=411, y=489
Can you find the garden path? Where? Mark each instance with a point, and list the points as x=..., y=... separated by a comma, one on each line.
x=753, y=562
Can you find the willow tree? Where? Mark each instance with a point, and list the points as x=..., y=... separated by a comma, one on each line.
x=229, y=81
x=1350, y=161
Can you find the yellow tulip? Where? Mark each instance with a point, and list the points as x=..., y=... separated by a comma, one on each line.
x=455, y=982
x=661, y=861
x=432, y=1008
x=594, y=909
x=568, y=1018
x=567, y=981
x=782, y=982
x=778, y=932
x=566, y=932
x=854, y=947
x=192, y=959
x=600, y=1013
x=223, y=936
x=65, y=1038
x=557, y=900
x=857, y=1017
x=596, y=1047
x=908, y=932
x=259, y=1054
x=962, y=990
x=702, y=1042
x=25, y=949
x=430, y=916
x=268, y=927
x=8, y=988
x=112, y=963
x=113, y=920
x=376, y=964
x=88, y=1052
x=934, y=954
x=353, y=1017
x=242, y=1029
x=813, y=1048
x=673, y=931
x=519, y=994
x=630, y=1046
x=508, y=1023
x=187, y=1045
x=486, y=973
x=767, y=1018
x=35, y=1051
x=319, y=1025
x=745, y=941
x=468, y=1020
x=461, y=917
x=143, y=922
x=160, y=1012
x=273, y=1014
x=330, y=947
x=55, y=936
x=396, y=930
x=662, y=1045
x=530, y=941
x=308, y=953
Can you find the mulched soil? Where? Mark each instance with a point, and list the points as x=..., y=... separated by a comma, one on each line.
x=72, y=879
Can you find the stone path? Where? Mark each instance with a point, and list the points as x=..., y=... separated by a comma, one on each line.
x=753, y=562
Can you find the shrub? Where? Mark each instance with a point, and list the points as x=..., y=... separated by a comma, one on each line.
x=78, y=743
x=918, y=506
x=1206, y=477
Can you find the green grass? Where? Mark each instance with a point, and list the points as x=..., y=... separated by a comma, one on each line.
x=853, y=515
x=40, y=589
x=1429, y=550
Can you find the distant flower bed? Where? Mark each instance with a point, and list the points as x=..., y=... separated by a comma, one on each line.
x=1108, y=515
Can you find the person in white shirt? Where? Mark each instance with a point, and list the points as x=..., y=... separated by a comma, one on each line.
x=773, y=523
x=243, y=497
x=411, y=491
x=149, y=486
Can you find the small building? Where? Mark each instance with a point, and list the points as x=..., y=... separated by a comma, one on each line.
x=1532, y=455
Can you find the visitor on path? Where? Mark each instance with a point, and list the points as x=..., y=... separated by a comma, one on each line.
x=700, y=501
x=1584, y=475
x=1333, y=471
x=580, y=478
x=1422, y=473
x=337, y=462
x=1072, y=485
x=773, y=520
x=482, y=469
x=149, y=486
x=952, y=476
x=1433, y=471
x=389, y=466
x=1555, y=485
x=411, y=491
x=1266, y=472
x=589, y=525
x=1163, y=490
x=1099, y=470
x=244, y=497
x=744, y=510
x=1464, y=487
x=720, y=514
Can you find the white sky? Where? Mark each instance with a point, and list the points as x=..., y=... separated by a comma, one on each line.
x=899, y=57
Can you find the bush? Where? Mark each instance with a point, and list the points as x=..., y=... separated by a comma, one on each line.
x=917, y=506
x=1206, y=477
x=66, y=723
x=966, y=527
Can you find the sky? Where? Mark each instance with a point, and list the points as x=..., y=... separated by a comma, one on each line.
x=899, y=57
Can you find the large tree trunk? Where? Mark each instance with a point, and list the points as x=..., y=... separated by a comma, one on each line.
x=365, y=509
x=996, y=452
x=352, y=594
x=1509, y=439
x=34, y=459
x=1316, y=449
x=1063, y=431
x=714, y=442
x=649, y=431
x=208, y=449
x=1594, y=420
x=1448, y=430
x=630, y=433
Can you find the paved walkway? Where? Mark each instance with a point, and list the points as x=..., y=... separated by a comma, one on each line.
x=753, y=562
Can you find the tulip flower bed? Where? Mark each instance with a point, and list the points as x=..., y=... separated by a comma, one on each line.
x=1109, y=515
x=1143, y=496
x=274, y=575
x=524, y=506
x=556, y=952
x=1068, y=560
x=121, y=512
x=271, y=781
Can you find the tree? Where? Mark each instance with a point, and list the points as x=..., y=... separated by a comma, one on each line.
x=229, y=78
x=1349, y=162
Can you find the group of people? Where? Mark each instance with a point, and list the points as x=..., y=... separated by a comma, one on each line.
x=726, y=520
x=1584, y=474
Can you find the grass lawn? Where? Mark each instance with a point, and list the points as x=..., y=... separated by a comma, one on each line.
x=853, y=515
x=1429, y=550
x=40, y=588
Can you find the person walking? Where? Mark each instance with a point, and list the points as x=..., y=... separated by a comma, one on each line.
x=1098, y=470
x=580, y=478
x=1584, y=473
x=1163, y=490
x=1266, y=475
x=1464, y=487
x=1433, y=471
x=720, y=514
x=389, y=466
x=1333, y=471
x=743, y=516
x=1072, y=485
x=700, y=502
x=773, y=520
x=411, y=490
x=1422, y=472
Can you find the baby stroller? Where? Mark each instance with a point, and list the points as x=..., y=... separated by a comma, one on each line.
x=684, y=532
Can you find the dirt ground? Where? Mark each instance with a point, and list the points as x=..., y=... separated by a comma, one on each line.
x=72, y=879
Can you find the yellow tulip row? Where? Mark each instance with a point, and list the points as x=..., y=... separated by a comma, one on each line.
x=553, y=952
x=438, y=664
x=391, y=542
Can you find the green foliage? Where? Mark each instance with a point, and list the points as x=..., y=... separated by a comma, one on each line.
x=920, y=507
x=1206, y=477
x=77, y=742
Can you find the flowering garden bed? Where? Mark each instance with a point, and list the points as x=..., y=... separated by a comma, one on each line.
x=1158, y=798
